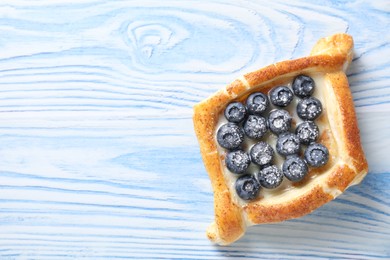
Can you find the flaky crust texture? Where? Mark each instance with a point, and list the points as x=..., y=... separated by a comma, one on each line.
x=330, y=56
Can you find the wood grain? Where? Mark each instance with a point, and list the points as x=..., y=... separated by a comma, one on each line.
x=98, y=158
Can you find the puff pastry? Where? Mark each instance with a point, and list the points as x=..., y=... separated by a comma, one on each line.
x=347, y=165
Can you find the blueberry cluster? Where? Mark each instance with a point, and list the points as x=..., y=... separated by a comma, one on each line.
x=251, y=121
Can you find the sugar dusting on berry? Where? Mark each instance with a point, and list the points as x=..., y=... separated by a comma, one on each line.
x=317, y=155
x=248, y=186
x=284, y=96
x=312, y=110
x=258, y=100
x=234, y=112
x=265, y=158
x=295, y=169
x=278, y=122
x=271, y=179
x=290, y=145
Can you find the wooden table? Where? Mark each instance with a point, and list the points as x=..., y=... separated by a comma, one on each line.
x=98, y=157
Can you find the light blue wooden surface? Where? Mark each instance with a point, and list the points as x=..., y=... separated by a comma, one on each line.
x=98, y=158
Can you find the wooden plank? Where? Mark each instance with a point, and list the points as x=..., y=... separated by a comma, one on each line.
x=98, y=155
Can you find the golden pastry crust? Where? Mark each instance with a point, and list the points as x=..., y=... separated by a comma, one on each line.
x=348, y=166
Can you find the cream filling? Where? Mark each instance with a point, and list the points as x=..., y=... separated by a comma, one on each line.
x=286, y=188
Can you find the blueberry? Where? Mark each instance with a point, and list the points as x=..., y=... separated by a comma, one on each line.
x=309, y=108
x=247, y=187
x=303, y=86
x=257, y=103
x=294, y=168
x=237, y=161
x=281, y=96
x=255, y=126
x=279, y=121
x=270, y=177
x=230, y=136
x=307, y=132
x=287, y=144
x=235, y=112
x=261, y=153
x=316, y=155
